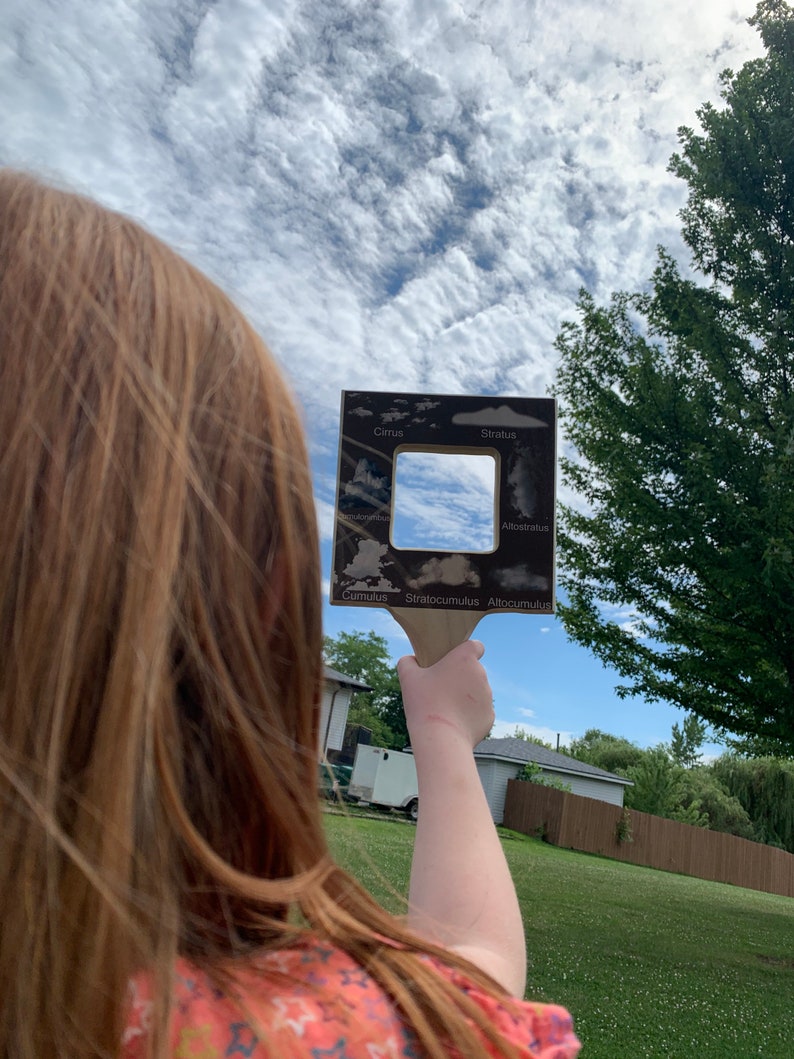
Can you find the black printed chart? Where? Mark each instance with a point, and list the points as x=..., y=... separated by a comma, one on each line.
x=518, y=432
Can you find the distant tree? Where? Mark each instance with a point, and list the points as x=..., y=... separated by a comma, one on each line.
x=365, y=656
x=363, y=713
x=656, y=784
x=658, y=788
x=701, y=788
x=691, y=814
x=390, y=706
x=605, y=751
x=752, y=798
x=687, y=740
x=765, y=789
x=528, y=737
x=755, y=746
x=679, y=405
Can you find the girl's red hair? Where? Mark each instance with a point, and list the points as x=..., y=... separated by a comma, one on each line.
x=161, y=646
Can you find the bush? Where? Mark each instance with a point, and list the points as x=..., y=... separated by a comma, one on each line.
x=533, y=773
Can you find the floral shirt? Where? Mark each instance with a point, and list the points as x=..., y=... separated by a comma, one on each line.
x=313, y=1002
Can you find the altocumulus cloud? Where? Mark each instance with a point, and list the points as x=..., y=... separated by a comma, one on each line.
x=403, y=195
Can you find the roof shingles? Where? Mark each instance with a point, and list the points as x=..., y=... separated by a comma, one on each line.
x=522, y=751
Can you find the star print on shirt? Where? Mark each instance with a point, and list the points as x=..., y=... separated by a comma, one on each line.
x=287, y=1006
x=244, y=1040
x=337, y=1052
x=294, y=1012
x=194, y=1043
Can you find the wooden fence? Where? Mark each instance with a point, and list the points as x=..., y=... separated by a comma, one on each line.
x=591, y=826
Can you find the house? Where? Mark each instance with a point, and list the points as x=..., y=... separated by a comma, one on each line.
x=337, y=693
x=500, y=760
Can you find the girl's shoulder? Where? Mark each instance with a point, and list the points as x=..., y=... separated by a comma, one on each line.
x=313, y=1000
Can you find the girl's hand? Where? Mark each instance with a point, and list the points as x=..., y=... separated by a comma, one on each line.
x=452, y=694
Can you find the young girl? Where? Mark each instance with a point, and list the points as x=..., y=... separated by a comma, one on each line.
x=165, y=884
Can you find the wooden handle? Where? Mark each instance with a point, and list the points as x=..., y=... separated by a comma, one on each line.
x=433, y=633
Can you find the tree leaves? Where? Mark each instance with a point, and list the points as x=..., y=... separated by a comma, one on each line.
x=678, y=406
x=366, y=657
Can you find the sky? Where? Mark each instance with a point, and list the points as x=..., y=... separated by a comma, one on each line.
x=403, y=195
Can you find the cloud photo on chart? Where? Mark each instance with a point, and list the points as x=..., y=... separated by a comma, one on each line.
x=368, y=484
x=367, y=560
x=520, y=578
x=367, y=570
x=451, y=570
x=503, y=416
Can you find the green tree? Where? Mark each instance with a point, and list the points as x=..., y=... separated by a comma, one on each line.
x=610, y=752
x=362, y=712
x=679, y=404
x=528, y=737
x=765, y=789
x=656, y=785
x=365, y=656
x=390, y=705
x=659, y=789
x=701, y=788
x=686, y=741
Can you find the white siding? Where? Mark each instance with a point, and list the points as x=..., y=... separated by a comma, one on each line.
x=485, y=770
x=589, y=787
x=340, y=699
x=494, y=776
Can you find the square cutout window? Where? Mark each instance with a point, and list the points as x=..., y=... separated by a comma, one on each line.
x=444, y=501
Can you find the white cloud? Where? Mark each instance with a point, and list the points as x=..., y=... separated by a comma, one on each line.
x=629, y=619
x=325, y=518
x=444, y=501
x=503, y=729
x=403, y=196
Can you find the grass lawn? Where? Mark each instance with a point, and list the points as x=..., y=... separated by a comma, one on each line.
x=648, y=963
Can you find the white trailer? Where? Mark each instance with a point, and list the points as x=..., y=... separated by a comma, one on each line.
x=385, y=777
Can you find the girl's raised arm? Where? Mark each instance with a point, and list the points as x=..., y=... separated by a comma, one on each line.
x=461, y=892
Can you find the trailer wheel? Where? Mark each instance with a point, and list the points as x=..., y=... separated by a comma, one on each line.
x=412, y=809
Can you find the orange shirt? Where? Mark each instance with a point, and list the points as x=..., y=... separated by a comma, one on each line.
x=314, y=1002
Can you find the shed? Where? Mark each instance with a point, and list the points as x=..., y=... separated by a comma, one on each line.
x=338, y=690
x=500, y=760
